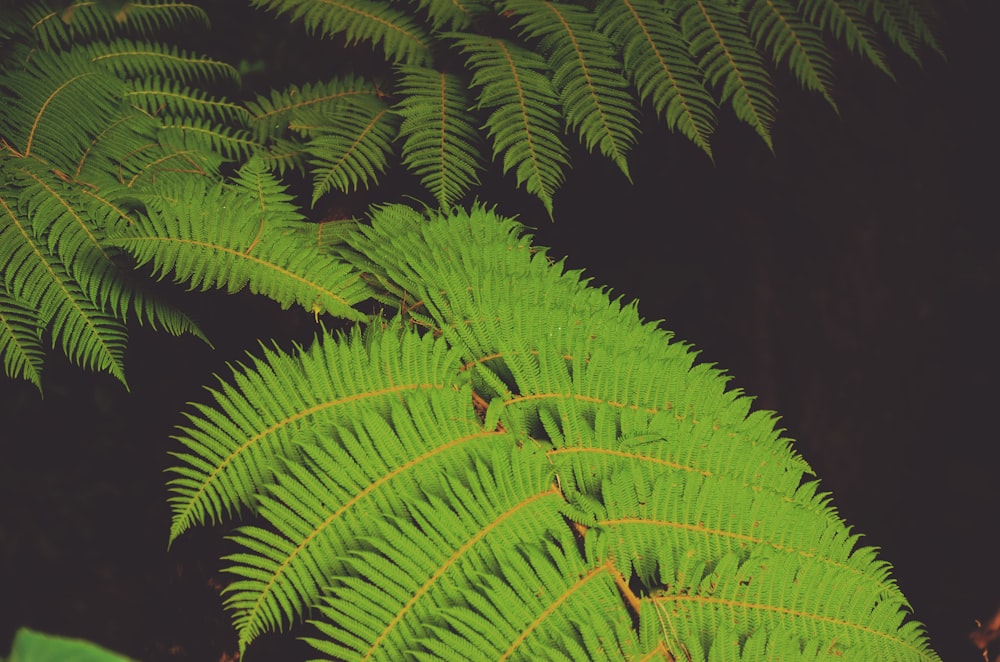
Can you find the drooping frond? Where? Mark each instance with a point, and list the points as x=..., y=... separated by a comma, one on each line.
x=718, y=39
x=329, y=497
x=568, y=483
x=525, y=113
x=845, y=19
x=349, y=149
x=777, y=26
x=221, y=237
x=38, y=280
x=20, y=340
x=453, y=14
x=232, y=456
x=137, y=59
x=440, y=142
x=85, y=20
x=402, y=39
x=52, y=92
x=586, y=74
x=272, y=115
x=504, y=499
x=903, y=24
x=657, y=62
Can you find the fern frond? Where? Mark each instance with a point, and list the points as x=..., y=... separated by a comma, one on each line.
x=525, y=120
x=846, y=20
x=233, y=448
x=544, y=602
x=657, y=62
x=903, y=24
x=328, y=498
x=777, y=26
x=350, y=149
x=453, y=14
x=222, y=238
x=20, y=340
x=440, y=142
x=718, y=39
x=272, y=115
x=37, y=279
x=85, y=20
x=402, y=39
x=51, y=92
x=586, y=73
x=505, y=499
x=167, y=98
x=842, y=617
x=137, y=59
x=194, y=135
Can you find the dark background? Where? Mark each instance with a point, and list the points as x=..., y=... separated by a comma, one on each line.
x=848, y=281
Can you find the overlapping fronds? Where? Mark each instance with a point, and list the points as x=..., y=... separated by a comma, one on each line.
x=520, y=472
x=440, y=142
x=401, y=37
x=656, y=60
x=524, y=111
x=540, y=71
x=351, y=149
x=89, y=124
x=585, y=72
x=86, y=20
x=231, y=237
x=718, y=40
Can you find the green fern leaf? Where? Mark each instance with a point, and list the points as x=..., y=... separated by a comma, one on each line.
x=348, y=150
x=504, y=500
x=36, y=279
x=348, y=473
x=138, y=59
x=88, y=20
x=903, y=24
x=658, y=64
x=586, y=73
x=776, y=25
x=20, y=340
x=525, y=121
x=231, y=457
x=53, y=91
x=403, y=40
x=273, y=115
x=718, y=39
x=221, y=237
x=440, y=142
x=452, y=15
x=167, y=98
x=847, y=21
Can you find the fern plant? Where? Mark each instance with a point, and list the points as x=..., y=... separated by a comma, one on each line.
x=532, y=472
x=100, y=112
x=503, y=462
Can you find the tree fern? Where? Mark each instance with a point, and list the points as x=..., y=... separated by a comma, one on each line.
x=523, y=472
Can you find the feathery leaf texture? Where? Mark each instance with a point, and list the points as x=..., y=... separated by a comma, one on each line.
x=585, y=72
x=440, y=143
x=536, y=71
x=524, y=118
x=402, y=38
x=497, y=472
x=94, y=117
x=241, y=236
